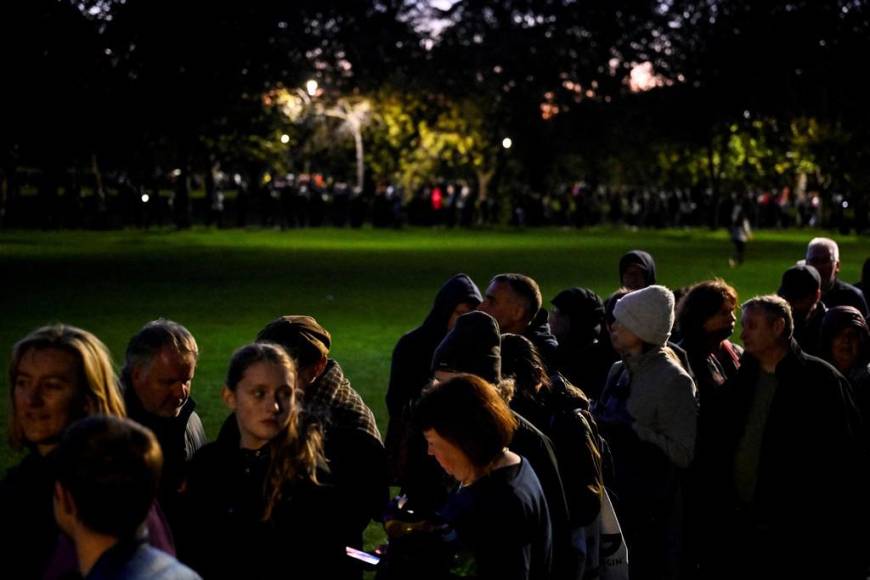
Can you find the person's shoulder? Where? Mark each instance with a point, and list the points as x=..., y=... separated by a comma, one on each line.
x=153, y=564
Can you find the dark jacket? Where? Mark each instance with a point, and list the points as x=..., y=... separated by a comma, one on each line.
x=807, y=331
x=223, y=535
x=643, y=259
x=352, y=446
x=29, y=531
x=134, y=560
x=562, y=413
x=844, y=294
x=179, y=437
x=539, y=333
x=411, y=366
x=502, y=520
x=810, y=479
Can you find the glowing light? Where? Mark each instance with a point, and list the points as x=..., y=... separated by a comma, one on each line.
x=507, y=143
x=285, y=138
x=145, y=198
x=311, y=87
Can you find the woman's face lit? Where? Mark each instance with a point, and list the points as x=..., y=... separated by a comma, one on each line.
x=45, y=393
x=262, y=402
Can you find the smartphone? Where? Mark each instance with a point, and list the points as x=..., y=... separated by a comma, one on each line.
x=370, y=559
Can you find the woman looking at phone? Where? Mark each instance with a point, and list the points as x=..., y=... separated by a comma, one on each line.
x=499, y=512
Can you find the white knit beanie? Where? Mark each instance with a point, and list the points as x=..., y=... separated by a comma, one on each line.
x=648, y=312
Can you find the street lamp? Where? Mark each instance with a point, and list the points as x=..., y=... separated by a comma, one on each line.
x=311, y=87
x=285, y=138
x=507, y=142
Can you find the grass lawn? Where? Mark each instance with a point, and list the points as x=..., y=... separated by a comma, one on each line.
x=367, y=287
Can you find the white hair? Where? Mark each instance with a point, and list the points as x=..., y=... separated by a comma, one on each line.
x=828, y=244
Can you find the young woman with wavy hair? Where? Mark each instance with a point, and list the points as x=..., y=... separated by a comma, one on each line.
x=254, y=503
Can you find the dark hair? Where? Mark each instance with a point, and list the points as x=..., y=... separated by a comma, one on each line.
x=296, y=452
x=522, y=362
x=836, y=320
x=468, y=412
x=111, y=467
x=301, y=336
x=524, y=287
x=150, y=340
x=703, y=301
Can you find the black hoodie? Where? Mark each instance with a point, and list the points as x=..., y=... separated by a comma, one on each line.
x=641, y=258
x=411, y=368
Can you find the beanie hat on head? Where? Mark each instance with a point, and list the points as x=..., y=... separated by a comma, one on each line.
x=799, y=282
x=648, y=313
x=473, y=346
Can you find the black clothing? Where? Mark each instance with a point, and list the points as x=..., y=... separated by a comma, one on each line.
x=503, y=521
x=29, y=531
x=351, y=445
x=223, y=535
x=810, y=476
x=843, y=294
x=539, y=333
x=807, y=331
x=179, y=437
x=642, y=259
x=581, y=357
x=411, y=367
x=473, y=345
x=562, y=413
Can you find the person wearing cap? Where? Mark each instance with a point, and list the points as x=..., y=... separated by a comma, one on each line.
x=648, y=414
x=845, y=343
x=637, y=269
x=802, y=288
x=474, y=347
x=824, y=255
x=577, y=319
x=789, y=457
x=411, y=367
x=514, y=300
x=352, y=442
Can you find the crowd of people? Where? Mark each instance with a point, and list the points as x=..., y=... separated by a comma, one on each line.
x=289, y=200
x=515, y=432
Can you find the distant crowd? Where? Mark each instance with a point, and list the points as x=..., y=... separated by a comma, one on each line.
x=287, y=201
x=625, y=437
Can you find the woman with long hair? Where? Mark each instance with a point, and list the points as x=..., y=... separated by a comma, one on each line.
x=58, y=374
x=255, y=506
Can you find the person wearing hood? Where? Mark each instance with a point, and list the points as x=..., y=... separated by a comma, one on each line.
x=412, y=361
x=637, y=270
x=514, y=300
x=845, y=343
x=576, y=320
x=648, y=414
x=801, y=287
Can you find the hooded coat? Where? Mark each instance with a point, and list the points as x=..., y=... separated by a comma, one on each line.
x=411, y=367
x=539, y=333
x=641, y=258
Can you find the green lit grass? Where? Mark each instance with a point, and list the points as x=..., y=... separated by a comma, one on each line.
x=367, y=287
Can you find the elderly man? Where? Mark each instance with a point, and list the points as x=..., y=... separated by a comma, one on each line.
x=789, y=459
x=823, y=254
x=157, y=375
x=514, y=300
